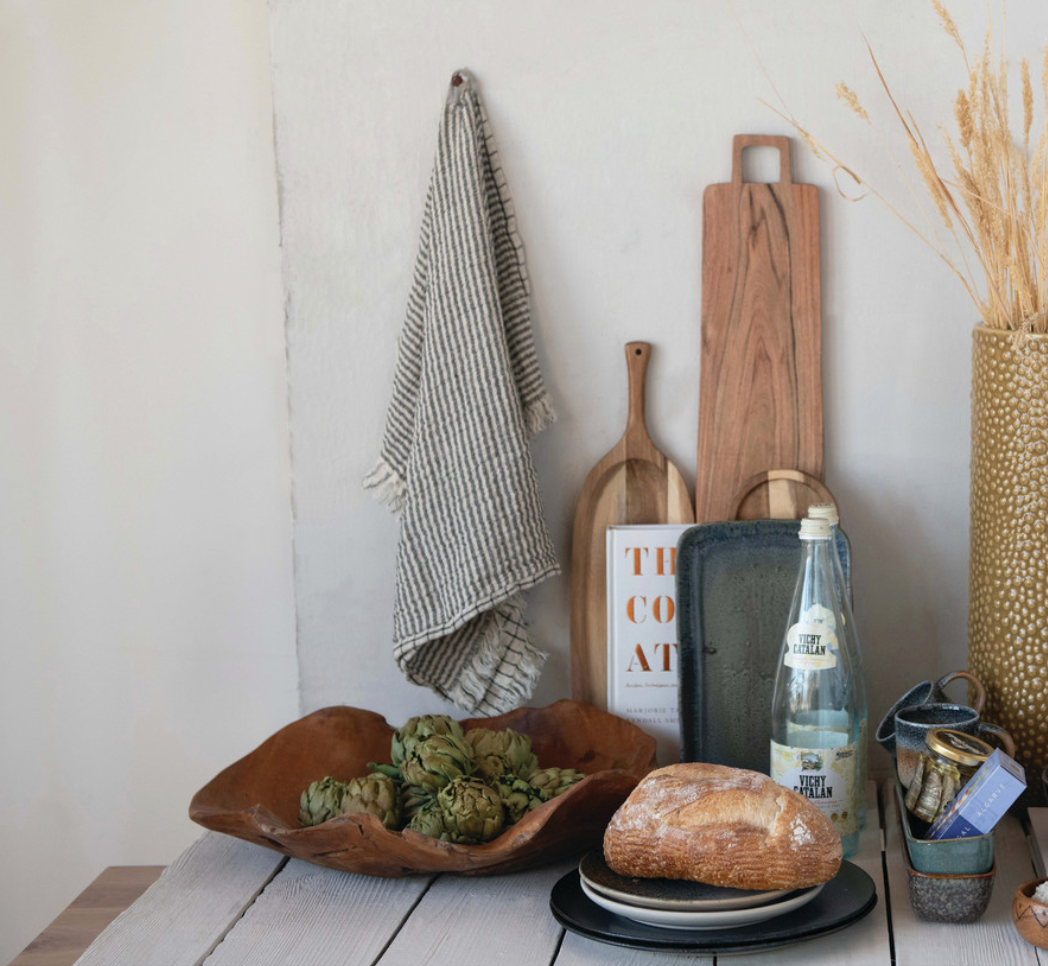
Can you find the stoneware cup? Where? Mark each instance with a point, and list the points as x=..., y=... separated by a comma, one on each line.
x=1031, y=917
x=926, y=693
x=913, y=724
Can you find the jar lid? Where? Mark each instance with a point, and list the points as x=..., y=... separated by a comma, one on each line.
x=957, y=746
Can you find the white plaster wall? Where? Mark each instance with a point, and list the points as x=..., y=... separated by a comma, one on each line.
x=146, y=594
x=612, y=116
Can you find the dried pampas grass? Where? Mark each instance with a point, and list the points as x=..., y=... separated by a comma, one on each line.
x=992, y=201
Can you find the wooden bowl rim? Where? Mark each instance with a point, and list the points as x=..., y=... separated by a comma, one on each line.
x=435, y=855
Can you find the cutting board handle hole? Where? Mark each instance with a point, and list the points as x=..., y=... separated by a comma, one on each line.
x=762, y=164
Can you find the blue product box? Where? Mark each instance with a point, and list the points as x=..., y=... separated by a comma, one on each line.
x=982, y=803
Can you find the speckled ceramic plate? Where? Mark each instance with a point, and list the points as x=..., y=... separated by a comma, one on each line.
x=847, y=897
x=706, y=919
x=735, y=582
x=672, y=894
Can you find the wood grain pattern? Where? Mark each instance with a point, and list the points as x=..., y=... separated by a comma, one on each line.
x=634, y=483
x=1039, y=835
x=867, y=943
x=187, y=911
x=760, y=391
x=778, y=495
x=65, y=939
x=257, y=797
x=473, y=922
x=320, y=917
x=992, y=939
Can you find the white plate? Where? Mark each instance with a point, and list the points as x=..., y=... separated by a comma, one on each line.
x=680, y=895
x=714, y=919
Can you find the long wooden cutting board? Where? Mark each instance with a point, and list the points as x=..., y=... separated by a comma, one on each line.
x=760, y=389
x=633, y=484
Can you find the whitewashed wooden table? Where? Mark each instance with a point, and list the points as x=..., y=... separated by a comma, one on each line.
x=229, y=903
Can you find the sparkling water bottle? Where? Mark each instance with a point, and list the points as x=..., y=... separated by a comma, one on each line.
x=848, y=635
x=815, y=717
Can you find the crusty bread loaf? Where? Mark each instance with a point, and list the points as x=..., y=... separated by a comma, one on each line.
x=724, y=826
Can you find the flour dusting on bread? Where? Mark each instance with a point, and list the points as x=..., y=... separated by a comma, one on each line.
x=724, y=826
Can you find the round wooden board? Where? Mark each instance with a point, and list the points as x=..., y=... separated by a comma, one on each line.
x=778, y=495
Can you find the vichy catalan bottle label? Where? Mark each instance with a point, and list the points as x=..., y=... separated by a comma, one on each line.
x=811, y=646
x=826, y=776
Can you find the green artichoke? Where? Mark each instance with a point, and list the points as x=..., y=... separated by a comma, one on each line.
x=321, y=801
x=435, y=761
x=429, y=821
x=419, y=729
x=472, y=811
x=492, y=767
x=519, y=797
x=510, y=744
x=375, y=794
x=413, y=800
x=555, y=780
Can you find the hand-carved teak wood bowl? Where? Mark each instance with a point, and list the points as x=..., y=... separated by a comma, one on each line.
x=257, y=797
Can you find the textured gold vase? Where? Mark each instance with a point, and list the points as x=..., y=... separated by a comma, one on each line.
x=1008, y=566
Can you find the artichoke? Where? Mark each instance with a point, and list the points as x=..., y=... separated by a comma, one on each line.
x=519, y=797
x=321, y=801
x=555, y=780
x=510, y=744
x=492, y=767
x=419, y=729
x=429, y=821
x=472, y=811
x=375, y=794
x=413, y=800
x=435, y=761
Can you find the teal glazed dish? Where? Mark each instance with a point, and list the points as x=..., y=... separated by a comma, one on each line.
x=971, y=856
x=952, y=898
x=735, y=582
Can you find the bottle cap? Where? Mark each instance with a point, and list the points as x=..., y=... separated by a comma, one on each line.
x=815, y=529
x=825, y=511
x=958, y=746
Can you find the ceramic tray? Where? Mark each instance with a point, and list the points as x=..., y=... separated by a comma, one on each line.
x=735, y=582
x=847, y=897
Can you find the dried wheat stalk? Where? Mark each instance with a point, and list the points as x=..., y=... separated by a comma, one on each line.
x=994, y=202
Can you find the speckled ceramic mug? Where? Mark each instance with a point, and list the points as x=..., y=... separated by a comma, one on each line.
x=926, y=693
x=913, y=724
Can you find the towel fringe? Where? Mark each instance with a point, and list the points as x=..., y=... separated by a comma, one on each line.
x=387, y=485
x=539, y=415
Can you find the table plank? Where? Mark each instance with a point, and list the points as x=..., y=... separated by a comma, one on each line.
x=992, y=939
x=187, y=911
x=312, y=915
x=867, y=943
x=477, y=921
x=80, y=923
x=1039, y=831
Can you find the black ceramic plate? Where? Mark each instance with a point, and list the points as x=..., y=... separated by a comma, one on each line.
x=673, y=894
x=848, y=897
x=735, y=582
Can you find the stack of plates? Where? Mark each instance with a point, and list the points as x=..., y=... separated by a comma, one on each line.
x=677, y=904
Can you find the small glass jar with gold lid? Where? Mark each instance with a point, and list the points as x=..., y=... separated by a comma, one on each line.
x=950, y=758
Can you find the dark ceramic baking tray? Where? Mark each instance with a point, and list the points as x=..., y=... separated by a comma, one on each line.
x=735, y=582
x=847, y=897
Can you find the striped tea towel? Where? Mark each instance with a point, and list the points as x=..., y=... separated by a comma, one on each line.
x=467, y=395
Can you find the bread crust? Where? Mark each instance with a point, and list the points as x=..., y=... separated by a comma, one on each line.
x=723, y=826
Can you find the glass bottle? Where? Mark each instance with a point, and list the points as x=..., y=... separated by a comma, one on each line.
x=848, y=635
x=815, y=717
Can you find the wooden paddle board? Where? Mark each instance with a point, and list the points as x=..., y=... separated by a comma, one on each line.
x=760, y=388
x=633, y=484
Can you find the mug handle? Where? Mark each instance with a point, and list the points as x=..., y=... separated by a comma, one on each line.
x=977, y=685
x=1006, y=739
